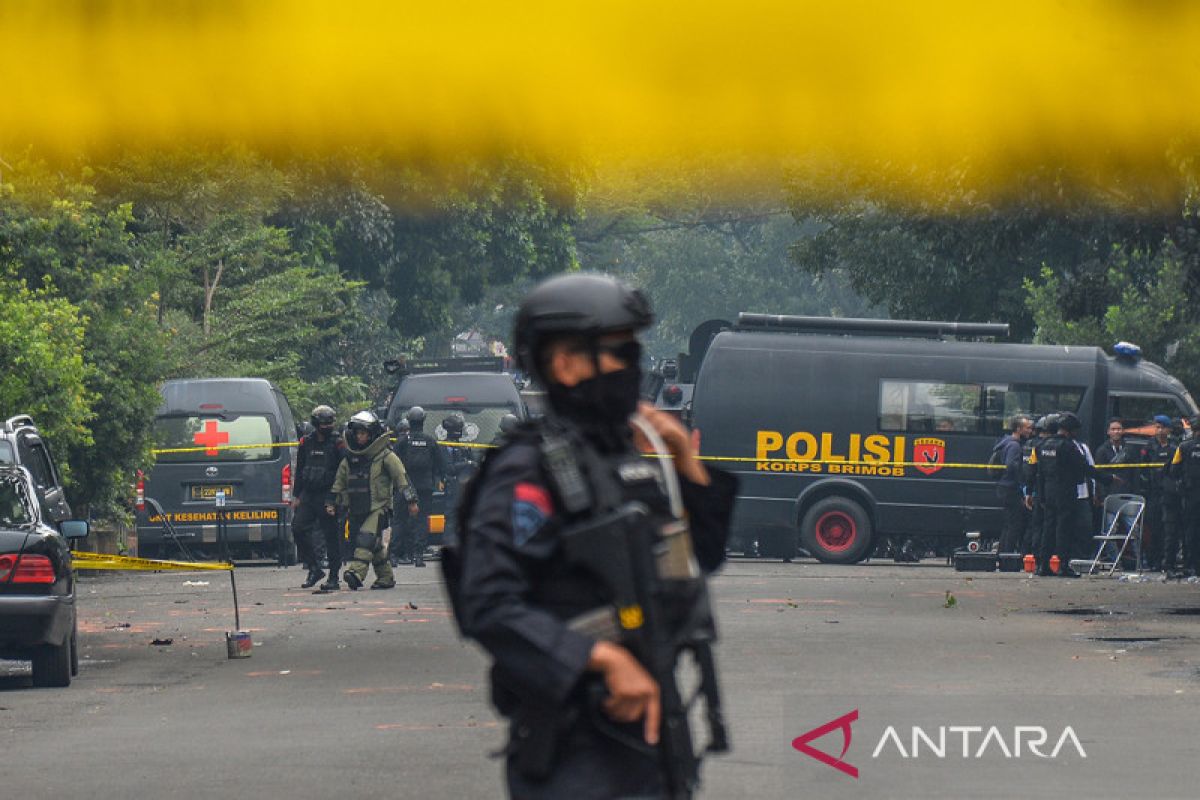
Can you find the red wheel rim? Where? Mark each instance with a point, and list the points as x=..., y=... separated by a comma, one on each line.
x=836, y=531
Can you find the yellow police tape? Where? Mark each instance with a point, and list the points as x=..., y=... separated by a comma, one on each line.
x=84, y=560
x=733, y=459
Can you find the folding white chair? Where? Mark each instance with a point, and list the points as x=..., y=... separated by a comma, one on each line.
x=1123, y=516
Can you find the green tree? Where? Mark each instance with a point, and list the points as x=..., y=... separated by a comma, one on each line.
x=942, y=250
x=54, y=237
x=45, y=375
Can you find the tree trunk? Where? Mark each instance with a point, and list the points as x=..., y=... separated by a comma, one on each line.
x=209, y=290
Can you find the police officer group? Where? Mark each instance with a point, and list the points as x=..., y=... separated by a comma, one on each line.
x=352, y=487
x=1052, y=488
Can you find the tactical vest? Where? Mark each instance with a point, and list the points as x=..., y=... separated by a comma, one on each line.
x=320, y=466
x=416, y=453
x=1050, y=469
x=358, y=484
x=1190, y=456
x=1160, y=479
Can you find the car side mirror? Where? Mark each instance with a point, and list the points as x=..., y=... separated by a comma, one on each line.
x=74, y=528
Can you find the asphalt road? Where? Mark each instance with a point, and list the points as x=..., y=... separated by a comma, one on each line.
x=361, y=693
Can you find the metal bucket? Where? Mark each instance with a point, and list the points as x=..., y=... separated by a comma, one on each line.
x=238, y=643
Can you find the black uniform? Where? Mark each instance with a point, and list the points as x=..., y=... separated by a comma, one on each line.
x=1162, y=529
x=516, y=593
x=316, y=465
x=1031, y=538
x=1184, y=469
x=1008, y=451
x=1061, y=467
x=460, y=464
x=422, y=459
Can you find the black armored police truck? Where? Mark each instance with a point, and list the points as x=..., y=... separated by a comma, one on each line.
x=223, y=470
x=847, y=433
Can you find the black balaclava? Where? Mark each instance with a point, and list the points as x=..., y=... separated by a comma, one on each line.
x=601, y=405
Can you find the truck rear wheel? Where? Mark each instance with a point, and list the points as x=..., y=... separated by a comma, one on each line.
x=836, y=530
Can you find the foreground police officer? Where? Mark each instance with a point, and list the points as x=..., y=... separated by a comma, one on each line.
x=422, y=459
x=1185, y=470
x=317, y=460
x=363, y=485
x=511, y=583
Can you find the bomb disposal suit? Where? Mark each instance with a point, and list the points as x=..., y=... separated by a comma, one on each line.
x=363, y=486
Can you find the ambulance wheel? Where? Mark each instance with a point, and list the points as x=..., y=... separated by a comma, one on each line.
x=836, y=530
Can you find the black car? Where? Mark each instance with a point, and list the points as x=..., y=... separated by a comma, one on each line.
x=37, y=583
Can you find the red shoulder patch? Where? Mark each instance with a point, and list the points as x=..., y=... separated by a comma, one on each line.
x=535, y=495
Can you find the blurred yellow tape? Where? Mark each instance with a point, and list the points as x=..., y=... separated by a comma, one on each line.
x=202, y=449
x=85, y=560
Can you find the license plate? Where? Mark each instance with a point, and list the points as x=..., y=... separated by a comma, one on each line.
x=209, y=492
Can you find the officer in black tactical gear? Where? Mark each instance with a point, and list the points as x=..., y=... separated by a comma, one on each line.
x=1031, y=540
x=460, y=465
x=1061, y=467
x=422, y=459
x=1163, y=528
x=585, y=712
x=508, y=424
x=317, y=460
x=1184, y=469
x=363, y=485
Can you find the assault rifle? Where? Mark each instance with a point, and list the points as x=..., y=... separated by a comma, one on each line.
x=659, y=610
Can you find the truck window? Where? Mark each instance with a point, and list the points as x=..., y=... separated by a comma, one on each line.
x=217, y=432
x=6, y=453
x=1004, y=401
x=1139, y=410
x=928, y=406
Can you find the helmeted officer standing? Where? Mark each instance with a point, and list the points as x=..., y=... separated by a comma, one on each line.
x=514, y=590
x=317, y=460
x=1185, y=470
x=460, y=465
x=422, y=459
x=1163, y=529
x=364, y=484
x=1031, y=540
x=1061, y=467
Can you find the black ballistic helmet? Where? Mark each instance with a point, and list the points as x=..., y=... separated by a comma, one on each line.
x=1040, y=423
x=582, y=303
x=453, y=425
x=364, y=421
x=1069, y=421
x=508, y=423
x=403, y=426
x=323, y=415
x=1051, y=421
x=415, y=416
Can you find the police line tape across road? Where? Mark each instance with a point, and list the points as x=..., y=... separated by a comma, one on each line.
x=97, y=561
x=734, y=459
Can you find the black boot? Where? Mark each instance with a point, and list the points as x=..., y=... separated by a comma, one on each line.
x=332, y=584
x=314, y=577
x=352, y=581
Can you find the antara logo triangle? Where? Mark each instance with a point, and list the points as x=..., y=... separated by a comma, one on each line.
x=843, y=723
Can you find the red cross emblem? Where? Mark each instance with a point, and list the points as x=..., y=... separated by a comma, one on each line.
x=210, y=437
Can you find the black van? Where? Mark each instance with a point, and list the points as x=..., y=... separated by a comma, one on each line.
x=227, y=440
x=478, y=388
x=849, y=430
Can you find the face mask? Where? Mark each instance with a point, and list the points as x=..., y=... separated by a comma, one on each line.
x=608, y=398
